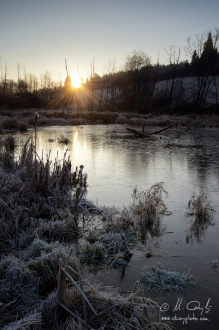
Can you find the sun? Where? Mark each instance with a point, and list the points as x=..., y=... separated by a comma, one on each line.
x=75, y=80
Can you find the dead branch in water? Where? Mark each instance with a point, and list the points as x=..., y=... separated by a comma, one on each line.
x=141, y=134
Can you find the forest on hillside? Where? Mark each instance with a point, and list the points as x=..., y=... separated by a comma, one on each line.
x=178, y=87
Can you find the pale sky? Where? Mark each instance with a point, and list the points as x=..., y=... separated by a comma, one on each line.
x=41, y=34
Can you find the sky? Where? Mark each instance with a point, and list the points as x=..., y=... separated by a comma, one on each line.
x=40, y=35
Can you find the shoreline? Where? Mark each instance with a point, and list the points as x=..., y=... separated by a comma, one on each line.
x=22, y=120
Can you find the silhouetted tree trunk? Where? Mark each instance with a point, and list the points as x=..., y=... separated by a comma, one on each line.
x=4, y=89
x=174, y=58
x=91, y=87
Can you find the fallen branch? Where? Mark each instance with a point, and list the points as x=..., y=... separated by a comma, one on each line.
x=161, y=130
x=140, y=134
x=137, y=133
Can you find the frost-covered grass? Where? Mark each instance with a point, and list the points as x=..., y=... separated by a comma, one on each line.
x=38, y=247
x=46, y=265
x=36, y=196
x=23, y=119
x=95, y=254
x=200, y=207
x=18, y=289
x=169, y=281
x=104, y=248
x=36, y=216
x=120, y=231
x=146, y=207
x=64, y=230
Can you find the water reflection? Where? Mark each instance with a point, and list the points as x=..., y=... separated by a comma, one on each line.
x=200, y=208
x=197, y=229
x=75, y=138
x=150, y=231
x=116, y=165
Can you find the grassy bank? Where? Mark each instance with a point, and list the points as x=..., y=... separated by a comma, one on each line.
x=24, y=119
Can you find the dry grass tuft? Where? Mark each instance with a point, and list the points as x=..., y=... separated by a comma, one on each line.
x=93, y=253
x=109, y=247
x=59, y=230
x=39, y=247
x=46, y=267
x=201, y=209
x=147, y=205
x=63, y=140
x=114, y=221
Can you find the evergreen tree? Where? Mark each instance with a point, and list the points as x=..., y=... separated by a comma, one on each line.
x=195, y=57
x=209, y=56
x=208, y=45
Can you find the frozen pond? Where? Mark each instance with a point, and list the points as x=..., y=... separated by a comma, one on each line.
x=186, y=160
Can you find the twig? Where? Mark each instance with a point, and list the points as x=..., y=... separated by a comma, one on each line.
x=59, y=281
x=83, y=300
x=74, y=315
x=79, y=289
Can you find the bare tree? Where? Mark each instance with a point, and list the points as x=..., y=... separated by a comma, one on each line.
x=18, y=72
x=139, y=83
x=112, y=92
x=91, y=86
x=5, y=80
x=173, y=88
x=22, y=86
x=136, y=61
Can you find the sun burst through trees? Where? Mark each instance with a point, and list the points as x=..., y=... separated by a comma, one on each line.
x=76, y=80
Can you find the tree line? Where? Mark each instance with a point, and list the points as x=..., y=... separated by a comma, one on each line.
x=178, y=87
